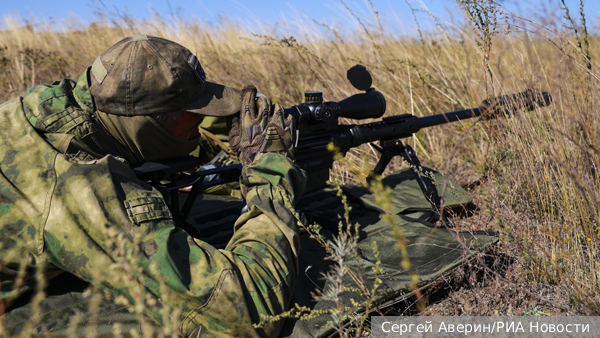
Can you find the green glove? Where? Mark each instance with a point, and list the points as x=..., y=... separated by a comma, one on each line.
x=261, y=128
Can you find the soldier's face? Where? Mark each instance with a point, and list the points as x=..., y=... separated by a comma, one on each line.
x=181, y=124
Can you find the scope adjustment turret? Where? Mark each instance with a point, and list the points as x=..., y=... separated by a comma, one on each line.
x=313, y=97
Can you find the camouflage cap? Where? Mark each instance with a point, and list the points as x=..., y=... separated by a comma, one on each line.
x=144, y=75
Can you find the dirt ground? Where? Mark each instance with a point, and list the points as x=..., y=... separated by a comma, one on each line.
x=498, y=289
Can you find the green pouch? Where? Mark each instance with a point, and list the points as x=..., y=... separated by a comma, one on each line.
x=143, y=206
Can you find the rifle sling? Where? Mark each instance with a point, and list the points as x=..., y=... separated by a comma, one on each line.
x=422, y=219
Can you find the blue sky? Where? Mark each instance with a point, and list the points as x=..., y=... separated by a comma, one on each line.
x=395, y=14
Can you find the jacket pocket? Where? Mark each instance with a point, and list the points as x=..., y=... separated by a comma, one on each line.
x=144, y=205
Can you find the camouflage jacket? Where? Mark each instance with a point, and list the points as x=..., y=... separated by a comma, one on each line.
x=64, y=206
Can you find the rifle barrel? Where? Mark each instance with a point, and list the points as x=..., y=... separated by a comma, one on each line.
x=437, y=119
x=400, y=126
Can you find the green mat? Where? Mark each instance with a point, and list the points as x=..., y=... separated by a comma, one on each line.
x=432, y=251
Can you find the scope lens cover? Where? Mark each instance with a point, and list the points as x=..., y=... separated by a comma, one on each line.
x=360, y=77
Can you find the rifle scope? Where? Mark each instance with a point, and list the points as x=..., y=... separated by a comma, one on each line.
x=359, y=106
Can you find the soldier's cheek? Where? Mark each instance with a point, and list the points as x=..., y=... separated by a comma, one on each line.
x=193, y=133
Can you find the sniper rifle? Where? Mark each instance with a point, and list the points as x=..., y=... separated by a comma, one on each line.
x=318, y=126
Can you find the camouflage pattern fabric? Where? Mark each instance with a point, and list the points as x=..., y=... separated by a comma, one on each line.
x=140, y=139
x=510, y=104
x=64, y=209
x=145, y=75
x=67, y=302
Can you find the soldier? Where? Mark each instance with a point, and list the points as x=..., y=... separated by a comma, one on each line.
x=68, y=192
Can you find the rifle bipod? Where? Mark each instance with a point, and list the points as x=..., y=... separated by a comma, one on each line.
x=391, y=148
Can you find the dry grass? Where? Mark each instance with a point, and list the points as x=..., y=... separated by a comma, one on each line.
x=540, y=186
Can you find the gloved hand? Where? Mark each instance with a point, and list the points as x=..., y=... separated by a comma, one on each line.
x=261, y=128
